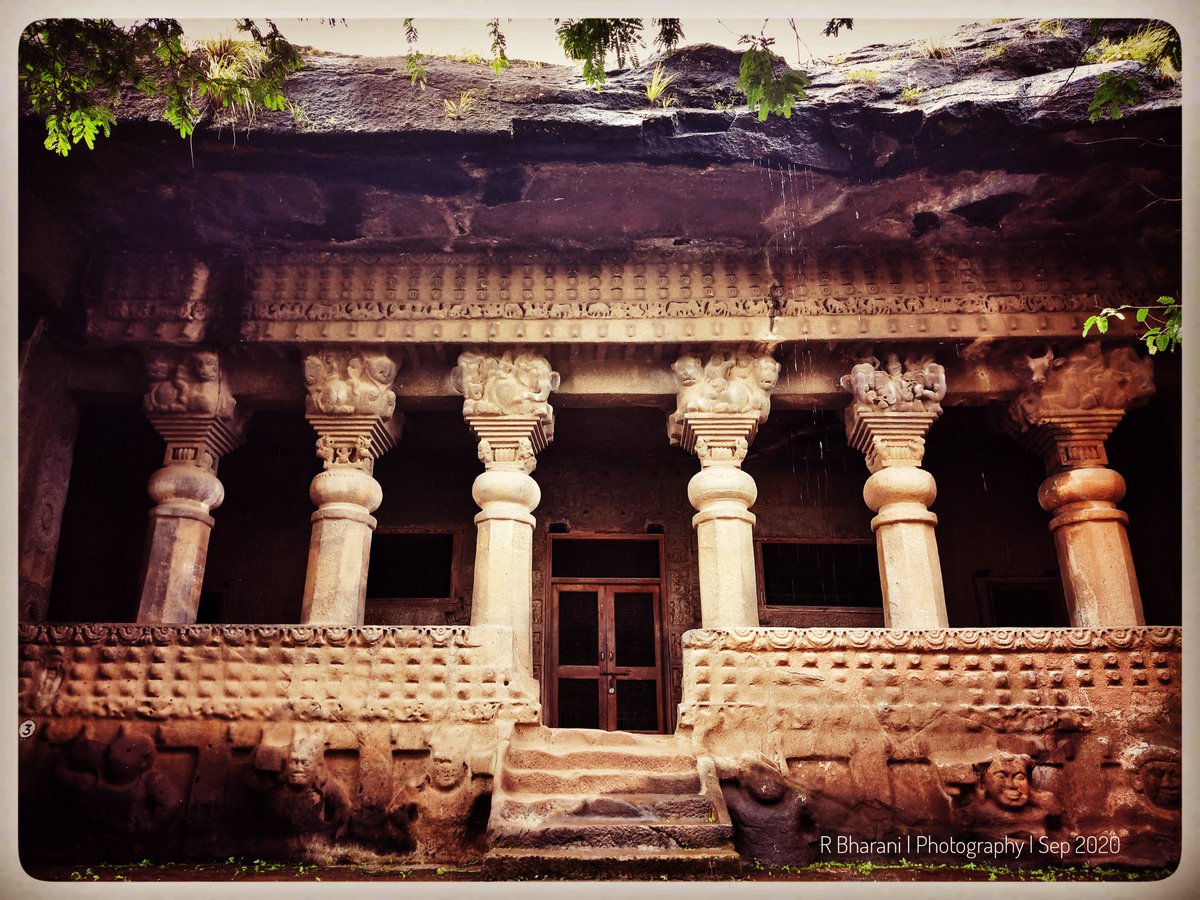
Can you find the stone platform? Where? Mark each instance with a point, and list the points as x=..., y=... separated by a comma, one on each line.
x=424, y=744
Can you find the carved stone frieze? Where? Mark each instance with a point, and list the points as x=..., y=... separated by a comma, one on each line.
x=189, y=402
x=828, y=294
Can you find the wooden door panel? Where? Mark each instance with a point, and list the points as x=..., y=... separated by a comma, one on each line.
x=605, y=661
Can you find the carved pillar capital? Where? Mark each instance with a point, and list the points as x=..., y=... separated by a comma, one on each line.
x=894, y=405
x=506, y=405
x=720, y=404
x=351, y=405
x=189, y=403
x=1074, y=402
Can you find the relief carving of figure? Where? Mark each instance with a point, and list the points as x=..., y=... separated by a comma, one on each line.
x=298, y=787
x=348, y=382
x=919, y=384
x=1087, y=378
x=767, y=811
x=125, y=800
x=1006, y=805
x=725, y=384
x=510, y=385
x=163, y=394
x=446, y=807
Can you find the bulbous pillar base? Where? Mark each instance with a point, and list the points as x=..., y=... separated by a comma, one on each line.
x=335, y=587
x=180, y=527
x=722, y=496
x=502, y=593
x=909, y=567
x=1099, y=583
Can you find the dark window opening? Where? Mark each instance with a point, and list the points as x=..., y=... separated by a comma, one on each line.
x=411, y=567
x=1023, y=602
x=605, y=559
x=820, y=574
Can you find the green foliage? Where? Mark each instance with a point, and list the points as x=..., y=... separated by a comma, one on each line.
x=1156, y=47
x=934, y=48
x=1116, y=91
x=670, y=33
x=995, y=52
x=499, y=57
x=460, y=108
x=589, y=41
x=74, y=71
x=657, y=85
x=1053, y=27
x=768, y=90
x=833, y=26
x=911, y=95
x=414, y=60
x=1163, y=323
x=863, y=76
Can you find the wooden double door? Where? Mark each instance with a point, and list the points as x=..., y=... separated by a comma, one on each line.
x=605, y=660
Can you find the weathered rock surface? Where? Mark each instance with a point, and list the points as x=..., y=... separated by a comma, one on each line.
x=996, y=146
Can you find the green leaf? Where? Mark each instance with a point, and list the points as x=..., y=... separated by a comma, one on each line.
x=1102, y=325
x=1162, y=341
x=1142, y=313
x=1088, y=323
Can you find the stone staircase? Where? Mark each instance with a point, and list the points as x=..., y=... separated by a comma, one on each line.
x=574, y=803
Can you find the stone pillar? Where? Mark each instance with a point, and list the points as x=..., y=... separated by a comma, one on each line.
x=1067, y=413
x=506, y=407
x=892, y=410
x=48, y=420
x=190, y=405
x=719, y=408
x=352, y=407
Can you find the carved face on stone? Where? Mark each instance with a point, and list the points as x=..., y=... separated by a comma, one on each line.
x=1006, y=781
x=158, y=368
x=206, y=366
x=314, y=371
x=446, y=766
x=687, y=370
x=382, y=370
x=128, y=757
x=766, y=372
x=304, y=757
x=1161, y=781
x=535, y=373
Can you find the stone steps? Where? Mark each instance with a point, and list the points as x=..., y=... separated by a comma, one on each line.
x=675, y=806
x=595, y=782
x=641, y=759
x=586, y=803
